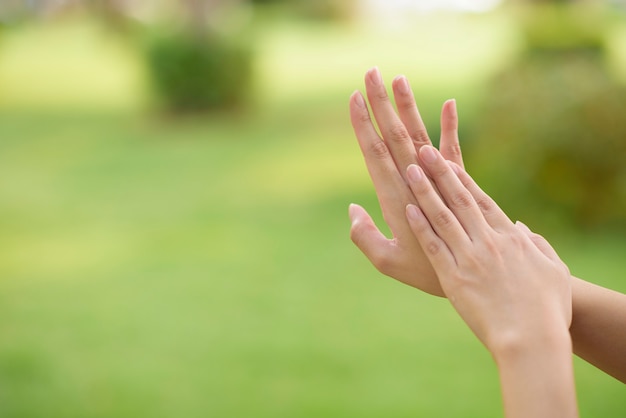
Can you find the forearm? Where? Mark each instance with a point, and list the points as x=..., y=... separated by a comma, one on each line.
x=538, y=381
x=598, y=327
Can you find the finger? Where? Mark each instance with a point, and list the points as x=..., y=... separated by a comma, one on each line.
x=449, y=141
x=454, y=193
x=540, y=242
x=394, y=132
x=391, y=188
x=367, y=237
x=438, y=253
x=490, y=210
x=443, y=221
x=409, y=113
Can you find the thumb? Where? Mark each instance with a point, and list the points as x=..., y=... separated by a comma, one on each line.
x=366, y=236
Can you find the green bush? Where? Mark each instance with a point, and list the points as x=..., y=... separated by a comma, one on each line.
x=553, y=137
x=192, y=73
x=559, y=25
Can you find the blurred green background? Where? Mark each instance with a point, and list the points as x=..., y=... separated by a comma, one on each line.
x=174, y=183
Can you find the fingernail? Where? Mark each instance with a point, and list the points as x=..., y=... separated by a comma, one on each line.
x=414, y=173
x=450, y=107
x=403, y=85
x=375, y=77
x=352, y=212
x=358, y=99
x=428, y=154
x=412, y=212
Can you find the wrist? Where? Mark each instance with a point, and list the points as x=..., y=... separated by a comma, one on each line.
x=537, y=377
x=517, y=347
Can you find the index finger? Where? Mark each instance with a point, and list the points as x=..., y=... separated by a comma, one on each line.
x=390, y=186
x=392, y=129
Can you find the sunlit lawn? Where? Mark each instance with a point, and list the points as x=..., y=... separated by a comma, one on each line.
x=152, y=267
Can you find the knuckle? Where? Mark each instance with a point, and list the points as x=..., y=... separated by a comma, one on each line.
x=397, y=132
x=485, y=204
x=381, y=95
x=379, y=150
x=454, y=150
x=462, y=200
x=421, y=189
x=364, y=116
x=517, y=240
x=420, y=137
x=440, y=169
x=443, y=218
x=492, y=249
x=433, y=248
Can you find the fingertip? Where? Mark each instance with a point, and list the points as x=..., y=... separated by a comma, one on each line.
x=357, y=99
x=373, y=76
x=414, y=173
x=428, y=154
x=401, y=85
x=412, y=212
x=354, y=211
x=449, y=108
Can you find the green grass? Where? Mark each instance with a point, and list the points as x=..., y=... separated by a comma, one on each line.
x=202, y=267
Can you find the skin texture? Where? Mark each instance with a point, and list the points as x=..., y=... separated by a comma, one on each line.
x=509, y=286
x=502, y=284
x=387, y=155
x=598, y=314
x=598, y=328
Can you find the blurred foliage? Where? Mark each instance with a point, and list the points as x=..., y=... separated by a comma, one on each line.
x=560, y=26
x=327, y=10
x=192, y=73
x=163, y=268
x=555, y=121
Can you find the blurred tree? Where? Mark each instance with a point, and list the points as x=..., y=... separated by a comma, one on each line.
x=114, y=12
x=198, y=64
x=552, y=135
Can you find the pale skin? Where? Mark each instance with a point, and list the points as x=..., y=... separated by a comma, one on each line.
x=509, y=286
x=598, y=316
x=404, y=134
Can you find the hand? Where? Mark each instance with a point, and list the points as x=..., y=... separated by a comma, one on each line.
x=387, y=158
x=507, y=283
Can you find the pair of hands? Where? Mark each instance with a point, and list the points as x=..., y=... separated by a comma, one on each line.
x=449, y=237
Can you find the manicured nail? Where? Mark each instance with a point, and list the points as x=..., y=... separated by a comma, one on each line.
x=375, y=77
x=403, y=84
x=414, y=173
x=428, y=154
x=358, y=99
x=412, y=212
